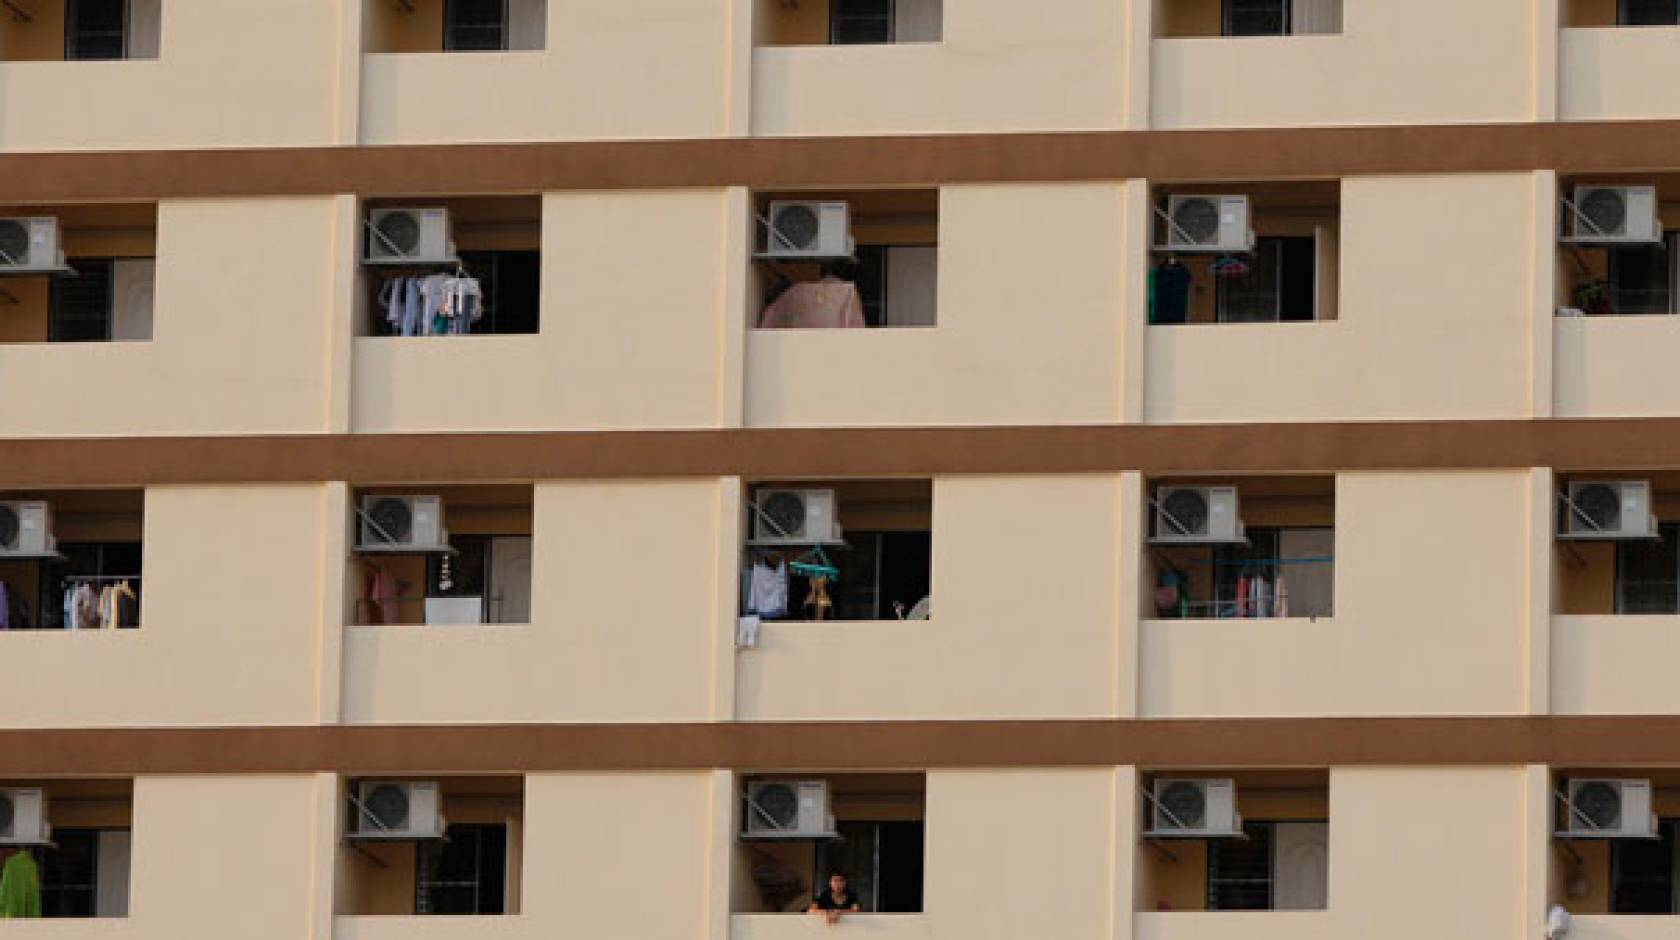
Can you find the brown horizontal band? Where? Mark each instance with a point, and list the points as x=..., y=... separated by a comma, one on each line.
x=902, y=745
x=1605, y=444
x=1185, y=156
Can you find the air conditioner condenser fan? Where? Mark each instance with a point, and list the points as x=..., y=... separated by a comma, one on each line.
x=387, y=806
x=779, y=804
x=797, y=226
x=391, y=520
x=1198, y=220
x=1605, y=210
x=1187, y=509
x=1600, y=804
x=785, y=513
x=1183, y=804
x=10, y=526
x=1601, y=505
x=14, y=242
x=399, y=232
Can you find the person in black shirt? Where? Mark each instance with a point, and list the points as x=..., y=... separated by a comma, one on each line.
x=837, y=899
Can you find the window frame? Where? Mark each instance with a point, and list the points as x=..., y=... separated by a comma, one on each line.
x=1671, y=248
x=1668, y=536
x=454, y=836
x=1222, y=292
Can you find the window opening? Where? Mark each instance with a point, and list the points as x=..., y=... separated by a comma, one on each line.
x=96, y=29
x=853, y=22
x=475, y=26
x=1257, y=17
x=1648, y=13
x=463, y=873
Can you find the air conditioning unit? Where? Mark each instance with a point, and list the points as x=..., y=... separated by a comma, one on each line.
x=791, y=809
x=409, y=236
x=30, y=244
x=1208, y=223
x=26, y=529
x=1616, y=509
x=1615, y=215
x=794, y=517
x=389, y=809
x=1196, y=515
x=811, y=230
x=1194, y=809
x=23, y=817
x=402, y=524
x=1610, y=809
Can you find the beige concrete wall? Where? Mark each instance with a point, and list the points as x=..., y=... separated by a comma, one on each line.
x=1606, y=365
x=797, y=927
x=1615, y=665
x=632, y=294
x=622, y=620
x=1029, y=330
x=1436, y=316
x=1426, y=622
x=191, y=879
x=228, y=615
x=1418, y=851
x=1027, y=853
x=1025, y=599
x=248, y=73
x=238, y=342
x=618, y=855
x=1622, y=927
x=1606, y=74
x=488, y=927
x=625, y=69
x=1479, y=70
x=996, y=70
x=1235, y=925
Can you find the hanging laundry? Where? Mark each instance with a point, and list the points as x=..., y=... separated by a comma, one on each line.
x=434, y=305
x=767, y=592
x=20, y=887
x=829, y=303
x=1280, y=598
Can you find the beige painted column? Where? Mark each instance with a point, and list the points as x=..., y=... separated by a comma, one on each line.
x=1543, y=300
x=1539, y=886
x=347, y=83
x=1541, y=599
x=1548, y=19
x=1124, y=862
x=343, y=302
x=1136, y=63
x=324, y=856
x=720, y=850
x=1134, y=309
x=727, y=551
x=736, y=307
x=738, y=107
x=1134, y=588
x=335, y=593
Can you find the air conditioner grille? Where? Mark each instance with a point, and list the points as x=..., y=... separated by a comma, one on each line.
x=784, y=511
x=1186, y=511
x=1601, y=506
x=10, y=527
x=797, y=226
x=1198, y=220
x=14, y=241
x=391, y=520
x=1605, y=210
x=1184, y=804
x=8, y=815
x=778, y=804
x=386, y=807
x=399, y=232
x=1600, y=804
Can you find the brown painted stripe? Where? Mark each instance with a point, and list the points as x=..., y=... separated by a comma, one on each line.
x=1597, y=444
x=1272, y=153
x=1236, y=743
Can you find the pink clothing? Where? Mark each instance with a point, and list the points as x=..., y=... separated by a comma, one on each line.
x=828, y=303
x=1243, y=609
x=383, y=592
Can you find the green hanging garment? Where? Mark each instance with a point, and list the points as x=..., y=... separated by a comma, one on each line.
x=20, y=887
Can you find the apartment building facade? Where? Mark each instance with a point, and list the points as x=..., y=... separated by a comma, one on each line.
x=1273, y=392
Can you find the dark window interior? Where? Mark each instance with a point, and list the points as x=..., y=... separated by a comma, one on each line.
x=92, y=559
x=1239, y=871
x=854, y=22
x=1232, y=562
x=1642, y=277
x=79, y=307
x=1649, y=12
x=464, y=873
x=475, y=25
x=1648, y=573
x=879, y=570
x=512, y=285
x=69, y=873
x=1280, y=285
x=96, y=29
x=1256, y=17
x=872, y=283
x=1642, y=873
x=882, y=862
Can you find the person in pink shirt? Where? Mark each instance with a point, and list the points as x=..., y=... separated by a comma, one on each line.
x=829, y=303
